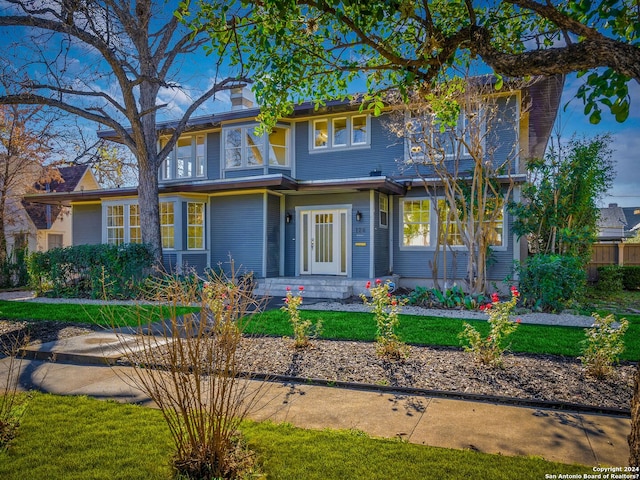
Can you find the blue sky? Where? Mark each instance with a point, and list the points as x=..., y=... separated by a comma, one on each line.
x=626, y=140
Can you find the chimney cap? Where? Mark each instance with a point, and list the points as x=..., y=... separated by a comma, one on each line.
x=240, y=98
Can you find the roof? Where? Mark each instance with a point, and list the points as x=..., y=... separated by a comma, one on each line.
x=276, y=182
x=612, y=217
x=632, y=215
x=43, y=216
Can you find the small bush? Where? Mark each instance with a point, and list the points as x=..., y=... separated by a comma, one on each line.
x=386, y=309
x=631, y=277
x=303, y=330
x=489, y=350
x=610, y=279
x=603, y=345
x=453, y=297
x=551, y=282
x=94, y=271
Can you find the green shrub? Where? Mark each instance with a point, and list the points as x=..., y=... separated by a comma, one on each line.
x=609, y=279
x=453, y=297
x=94, y=271
x=631, y=277
x=551, y=282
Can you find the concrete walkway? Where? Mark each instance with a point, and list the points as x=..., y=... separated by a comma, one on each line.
x=561, y=436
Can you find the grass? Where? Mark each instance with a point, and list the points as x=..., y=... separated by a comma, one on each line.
x=435, y=331
x=126, y=315
x=438, y=331
x=82, y=438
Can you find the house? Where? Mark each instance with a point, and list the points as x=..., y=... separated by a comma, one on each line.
x=326, y=195
x=612, y=224
x=45, y=226
x=632, y=215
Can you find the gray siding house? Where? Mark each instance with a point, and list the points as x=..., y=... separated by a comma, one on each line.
x=325, y=195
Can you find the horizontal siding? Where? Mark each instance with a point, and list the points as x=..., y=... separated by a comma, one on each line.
x=360, y=230
x=245, y=172
x=349, y=163
x=419, y=263
x=273, y=236
x=87, y=224
x=213, y=156
x=237, y=230
x=169, y=262
x=195, y=261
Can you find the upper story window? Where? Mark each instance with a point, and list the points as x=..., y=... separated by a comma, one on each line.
x=187, y=160
x=428, y=137
x=244, y=149
x=340, y=132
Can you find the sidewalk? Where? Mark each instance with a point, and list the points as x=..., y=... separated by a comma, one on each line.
x=561, y=436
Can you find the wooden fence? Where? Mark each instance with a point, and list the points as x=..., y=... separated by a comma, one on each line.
x=612, y=254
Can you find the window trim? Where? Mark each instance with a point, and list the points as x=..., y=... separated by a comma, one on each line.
x=330, y=122
x=265, y=148
x=126, y=226
x=169, y=166
x=110, y=228
x=383, y=207
x=433, y=227
x=202, y=226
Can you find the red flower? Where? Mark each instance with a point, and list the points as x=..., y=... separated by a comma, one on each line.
x=286, y=300
x=488, y=306
x=495, y=298
x=301, y=288
x=389, y=295
x=378, y=281
x=368, y=285
x=518, y=320
x=288, y=288
x=515, y=292
x=483, y=307
x=394, y=302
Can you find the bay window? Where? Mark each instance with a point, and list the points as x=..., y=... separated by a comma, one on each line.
x=187, y=160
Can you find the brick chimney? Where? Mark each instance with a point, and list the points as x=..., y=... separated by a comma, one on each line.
x=240, y=98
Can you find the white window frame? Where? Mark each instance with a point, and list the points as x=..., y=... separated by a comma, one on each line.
x=169, y=170
x=330, y=144
x=201, y=226
x=433, y=226
x=131, y=226
x=264, y=148
x=170, y=244
x=383, y=211
x=119, y=239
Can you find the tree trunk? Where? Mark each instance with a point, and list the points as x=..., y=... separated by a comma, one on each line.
x=149, y=208
x=634, y=436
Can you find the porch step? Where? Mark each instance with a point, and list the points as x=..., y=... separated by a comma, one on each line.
x=315, y=288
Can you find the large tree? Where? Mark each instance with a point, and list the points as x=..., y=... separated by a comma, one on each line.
x=25, y=142
x=108, y=61
x=314, y=48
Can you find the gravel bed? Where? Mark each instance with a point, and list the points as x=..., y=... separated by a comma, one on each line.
x=536, y=377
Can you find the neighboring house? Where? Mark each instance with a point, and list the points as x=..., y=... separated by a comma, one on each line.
x=612, y=224
x=44, y=227
x=632, y=214
x=323, y=195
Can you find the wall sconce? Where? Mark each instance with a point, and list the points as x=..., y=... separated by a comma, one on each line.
x=288, y=217
x=358, y=215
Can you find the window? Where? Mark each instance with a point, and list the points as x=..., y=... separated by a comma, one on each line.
x=420, y=222
x=167, y=228
x=416, y=219
x=54, y=240
x=187, y=160
x=340, y=132
x=426, y=135
x=384, y=210
x=244, y=149
x=135, y=234
x=195, y=225
x=115, y=224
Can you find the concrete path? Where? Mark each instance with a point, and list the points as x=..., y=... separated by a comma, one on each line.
x=559, y=436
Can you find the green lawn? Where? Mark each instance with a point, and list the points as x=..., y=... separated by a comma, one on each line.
x=82, y=438
x=361, y=326
x=440, y=331
x=125, y=315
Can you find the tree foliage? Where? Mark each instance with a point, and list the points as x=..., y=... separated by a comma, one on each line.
x=110, y=62
x=559, y=211
x=313, y=49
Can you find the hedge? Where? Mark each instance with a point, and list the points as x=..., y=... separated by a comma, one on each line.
x=94, y=271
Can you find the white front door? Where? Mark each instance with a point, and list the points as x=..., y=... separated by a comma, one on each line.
x=324, y=242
